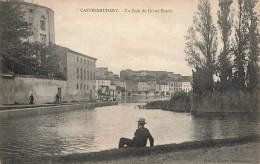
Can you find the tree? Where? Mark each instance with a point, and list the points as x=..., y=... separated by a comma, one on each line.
x=13, y=29
x=240, y=47
x=252, y=76
x=225, y=22
x=201, y=44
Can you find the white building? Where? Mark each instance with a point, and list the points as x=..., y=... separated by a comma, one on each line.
x=186, y=86
x=142, y=86
x=103, y=83
x=120, y=83
x=162, y=88
x=175, y=86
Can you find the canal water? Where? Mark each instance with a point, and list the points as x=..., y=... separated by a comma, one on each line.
x=98, y=129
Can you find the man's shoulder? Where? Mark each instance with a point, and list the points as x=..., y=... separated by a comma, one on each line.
x=143, y=129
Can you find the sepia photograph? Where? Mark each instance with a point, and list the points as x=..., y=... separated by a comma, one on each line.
x=129, y=81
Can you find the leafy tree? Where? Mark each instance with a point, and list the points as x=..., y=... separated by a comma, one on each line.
x=13, y=29
x=201, y=44
x=202, y=85
x=240, y=47
x=225, y=22
x=253, y=45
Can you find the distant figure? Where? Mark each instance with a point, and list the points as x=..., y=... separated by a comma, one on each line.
x=140, y=138
x=31, y=98
x=57, y=97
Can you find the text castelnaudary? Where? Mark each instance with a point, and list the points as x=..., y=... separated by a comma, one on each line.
x=99, y=10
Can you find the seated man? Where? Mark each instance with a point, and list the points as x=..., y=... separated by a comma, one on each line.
x=140, y=138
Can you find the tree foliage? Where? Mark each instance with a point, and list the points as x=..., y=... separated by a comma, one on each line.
x=240, y=47
x=201, y=44
x=252, y=76
x=13, y=29
x=17, y=53
x=224, y=68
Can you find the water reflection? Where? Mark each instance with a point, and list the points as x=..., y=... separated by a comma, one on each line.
x=217, y=126
x=99, y=129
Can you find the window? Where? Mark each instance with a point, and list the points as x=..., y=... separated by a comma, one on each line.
x=88, y=62
x=42, y=23
x=84, y=86
x=87, y=87
x=77, y=59
x=94, y=76
x=88, y=75
x=77, y=86
x=81, y=73
x=84, y=61
x=81, y=60
x=84, y=74
x=80, y=86
x=77, y=72
x=93, y=87
x=43, y=38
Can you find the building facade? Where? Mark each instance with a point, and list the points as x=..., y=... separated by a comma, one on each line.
x=186, y=86
x=42, y=21
x=103, y=82
x=142, y=86
x=102, y=72
x=162, y=88
x=81, y=76
x=175, y=86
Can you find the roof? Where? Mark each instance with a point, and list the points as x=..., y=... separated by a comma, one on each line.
x=80, y=54
x=186, y=79
x=33, y=4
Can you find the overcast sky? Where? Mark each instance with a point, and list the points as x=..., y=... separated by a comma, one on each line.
x=137, y=41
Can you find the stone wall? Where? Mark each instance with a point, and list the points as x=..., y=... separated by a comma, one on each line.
x=18, y=90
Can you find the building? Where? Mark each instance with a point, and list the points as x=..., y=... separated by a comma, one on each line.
x=186, y=86
x=79, y=70
x=186, y=83
x=152, y=85
x=142, y=86
x=102, y=72
x=103, y=82
x=162, y=88
x=175, y=86
x=119, y=83
x=42, y=20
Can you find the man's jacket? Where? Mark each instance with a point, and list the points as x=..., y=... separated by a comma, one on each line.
x=140, y=138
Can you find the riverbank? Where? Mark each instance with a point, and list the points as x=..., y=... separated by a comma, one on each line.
x=219, y=102
x=16, y=111
x=244, y=149
x=245, y=153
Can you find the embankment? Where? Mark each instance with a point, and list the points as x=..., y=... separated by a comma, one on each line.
x=49, y=109
x=117, y=154
x=219, y=102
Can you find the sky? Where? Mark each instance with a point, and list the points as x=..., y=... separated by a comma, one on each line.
x=127, y=40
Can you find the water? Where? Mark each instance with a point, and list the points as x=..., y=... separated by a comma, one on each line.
x=98, y=129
